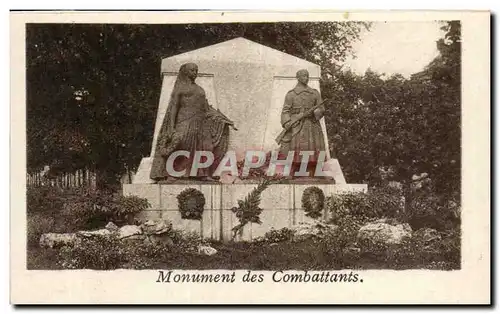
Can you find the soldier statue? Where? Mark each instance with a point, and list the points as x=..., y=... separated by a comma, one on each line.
x=300, y=117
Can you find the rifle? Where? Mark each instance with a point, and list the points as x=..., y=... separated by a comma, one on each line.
x=297, y=120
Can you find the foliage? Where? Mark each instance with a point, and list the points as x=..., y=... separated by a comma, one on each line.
x=89, y=208
x=185, y=241
x=277, y=235
x=432, y=211
x=248, y=210
x=79, y=208
x=44, y=199
x=141, y=255
x=339, y=242
x=104, y=252
x=38, y=224
x=191, y=204
x=92, y=253
x=313, y=201
x=377, y=203
x=425, y=209
x=406, y=125
x=338, y=249
x=413, y=252
x=124, y=208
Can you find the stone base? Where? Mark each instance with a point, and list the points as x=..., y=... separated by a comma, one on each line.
x=332, y=167
x=281, y=204
x=143, y=171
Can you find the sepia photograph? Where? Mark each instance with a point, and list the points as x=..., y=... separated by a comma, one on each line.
x=311, y=150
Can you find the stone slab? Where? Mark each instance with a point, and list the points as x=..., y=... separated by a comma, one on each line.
x=281, y=204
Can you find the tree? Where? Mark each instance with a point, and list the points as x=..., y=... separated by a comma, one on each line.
x=409, y=126
x=442, y=82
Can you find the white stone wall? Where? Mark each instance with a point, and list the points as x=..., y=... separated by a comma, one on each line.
x=281, y=205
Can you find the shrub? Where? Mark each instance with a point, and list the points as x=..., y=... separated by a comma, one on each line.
x=98, y=252
x=44, y=199
x=280, y=235
x=104, y=253
x=340, y=242
x=37, y=224
x=91, y=209
x=83, y=208
x=140, y=255
x=377, y=203
x=415, y=252
x=432, y=211
x=185, y=241
x=125, y=208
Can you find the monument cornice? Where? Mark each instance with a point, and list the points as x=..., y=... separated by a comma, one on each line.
x=170, y=73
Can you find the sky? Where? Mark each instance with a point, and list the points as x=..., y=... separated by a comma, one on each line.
x=396, y=47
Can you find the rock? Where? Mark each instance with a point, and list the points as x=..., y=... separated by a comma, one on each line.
x=381, y=232
x=52, y=240
x=206, y=250
x=128, y=231
x=316, y=229
x=389, y=221
x=428, y=235
x=135, y=238
x=112, y=227
x=93, y=233
x=156, y=227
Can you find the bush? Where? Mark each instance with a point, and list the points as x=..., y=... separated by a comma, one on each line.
x=83, y=208
x=185, y=241
x=37, y=224
x=377, y=203
x=432, y=211
x=44, y=199
x=125, y=208
x=98, y=252
x=140, y=255
x=90, y=209
x=340, y=243
x=280, y=235
x=105, y=253
x=416, y=252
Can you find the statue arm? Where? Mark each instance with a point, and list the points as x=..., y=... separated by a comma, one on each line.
x=285, y=112
x=319, y=112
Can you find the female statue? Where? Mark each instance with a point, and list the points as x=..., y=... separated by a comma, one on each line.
x=190, y=124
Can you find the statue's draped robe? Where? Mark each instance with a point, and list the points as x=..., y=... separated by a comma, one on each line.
x=198, y=127
x=306, y=135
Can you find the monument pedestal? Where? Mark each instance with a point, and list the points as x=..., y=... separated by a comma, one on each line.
x=281, y=204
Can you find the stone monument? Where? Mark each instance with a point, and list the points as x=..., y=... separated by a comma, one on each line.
x=251, y=93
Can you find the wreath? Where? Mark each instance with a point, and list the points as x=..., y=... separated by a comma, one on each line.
x=191, y=204
x=313, y=201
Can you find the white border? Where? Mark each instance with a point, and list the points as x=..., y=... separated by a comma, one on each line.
x=459, y=286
